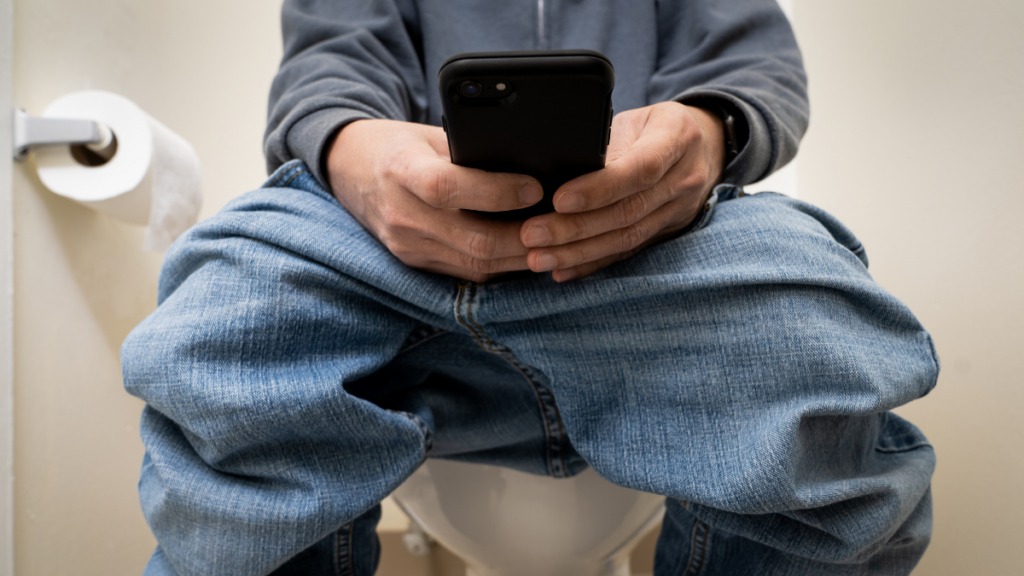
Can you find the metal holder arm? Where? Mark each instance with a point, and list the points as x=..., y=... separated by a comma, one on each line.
x=31, y=131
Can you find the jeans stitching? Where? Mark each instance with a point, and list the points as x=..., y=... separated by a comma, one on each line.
x=428, y=434
x=554, y=430
x=935, y=361
x=550, y=415
x=469, y=314
x=294, y=176
x=420, y=335
x=701, y=534
x=904, y=448
x=274, y=183
x=461, y=320
x=344, y=551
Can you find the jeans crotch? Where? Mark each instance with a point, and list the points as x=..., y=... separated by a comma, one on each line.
x=557, y=440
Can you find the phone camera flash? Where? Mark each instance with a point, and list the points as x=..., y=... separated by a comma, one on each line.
x=500, y=85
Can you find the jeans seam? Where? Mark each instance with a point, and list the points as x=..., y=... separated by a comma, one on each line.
x=344, y=551
x=469, y=316
x=700, y=537
x=461, y=320
x=420, y=335
x=554, y=430
x=273, y=183
x=935, y=361
x=550, y=415
x=904, y=448
x=276, y=182
x=294, y=176
x=428, y=435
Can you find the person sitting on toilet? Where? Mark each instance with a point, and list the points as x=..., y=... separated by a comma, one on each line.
x=321, y=336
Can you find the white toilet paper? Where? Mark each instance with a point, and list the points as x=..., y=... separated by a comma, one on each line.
x=153, y=179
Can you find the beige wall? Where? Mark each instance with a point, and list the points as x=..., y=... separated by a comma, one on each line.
x=914, y=143
x=82, y=281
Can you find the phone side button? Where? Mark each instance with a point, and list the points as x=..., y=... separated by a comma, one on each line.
x=444, y=123
x=611, y=118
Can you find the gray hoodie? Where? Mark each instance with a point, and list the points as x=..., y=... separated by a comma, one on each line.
x=346, y=60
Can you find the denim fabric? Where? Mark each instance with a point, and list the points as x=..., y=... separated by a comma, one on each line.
x=295, y=373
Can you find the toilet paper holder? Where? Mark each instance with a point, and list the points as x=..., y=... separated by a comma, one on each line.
x=30, y=131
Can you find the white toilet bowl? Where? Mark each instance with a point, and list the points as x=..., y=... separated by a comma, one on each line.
x=507, y=523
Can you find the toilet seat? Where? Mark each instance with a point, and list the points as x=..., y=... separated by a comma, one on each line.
x=503, y=522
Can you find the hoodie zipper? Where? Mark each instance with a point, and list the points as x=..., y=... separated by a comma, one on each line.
x=542, y=41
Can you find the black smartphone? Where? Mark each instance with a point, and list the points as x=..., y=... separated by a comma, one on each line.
x=544, y=113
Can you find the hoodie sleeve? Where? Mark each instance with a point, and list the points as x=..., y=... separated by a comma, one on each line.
x=743, y=55
x=343, y=61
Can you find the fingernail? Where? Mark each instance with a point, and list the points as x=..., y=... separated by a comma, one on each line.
x=546, y=262
x=569, y=202
x=530, y=193
x=536, y=236
x=564, y=275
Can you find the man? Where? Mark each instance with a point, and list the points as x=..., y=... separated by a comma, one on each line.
x=728, y=351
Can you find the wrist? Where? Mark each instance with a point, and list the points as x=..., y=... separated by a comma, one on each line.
x=715, y=141
x=340, y=146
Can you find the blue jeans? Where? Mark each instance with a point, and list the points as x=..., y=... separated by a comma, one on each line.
x=295, y=373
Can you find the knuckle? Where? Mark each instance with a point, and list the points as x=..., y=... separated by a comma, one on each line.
x=392, y=167
x=403, y=252
x=389, y=241
x=389, y=216
x=568, y=229
x=482, y=245
x=475, y=265
x=631, y=209
x=699, y=176
x=586, y=253
x=395, y=222
x=691, y=186
x=579, y=228
x=652, y=166
x=631, y=238
x=440, y=187
x=484, y=266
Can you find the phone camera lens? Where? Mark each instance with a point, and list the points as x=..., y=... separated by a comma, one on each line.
x=470, y=89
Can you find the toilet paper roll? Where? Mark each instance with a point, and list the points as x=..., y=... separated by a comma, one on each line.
x=153, y=178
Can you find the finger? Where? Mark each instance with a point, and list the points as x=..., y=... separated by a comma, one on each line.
x=555, y=229
x=655, y=151
x=469, y=234
x=683, y=183
x=627, y=239
x=452, y=263
x=438, y=140
x=441, y=184
x=627, y=126
x=588, y=268
x=584, y=270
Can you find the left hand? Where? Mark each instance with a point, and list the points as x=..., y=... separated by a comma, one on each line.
x=662, y=163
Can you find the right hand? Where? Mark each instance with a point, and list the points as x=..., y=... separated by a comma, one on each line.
x=397, y=180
